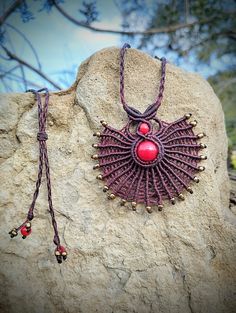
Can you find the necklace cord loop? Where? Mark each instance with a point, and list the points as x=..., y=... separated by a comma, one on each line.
x=42, y=136
x=151, y=110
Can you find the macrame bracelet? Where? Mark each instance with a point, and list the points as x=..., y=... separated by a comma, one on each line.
x=25, y=227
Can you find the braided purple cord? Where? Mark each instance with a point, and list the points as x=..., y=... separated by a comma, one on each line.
x=150, y=112
x=42, y=136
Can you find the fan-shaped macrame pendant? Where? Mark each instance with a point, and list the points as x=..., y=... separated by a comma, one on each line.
x=156, y=162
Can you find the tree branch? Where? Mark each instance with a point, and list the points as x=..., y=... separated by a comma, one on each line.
x=9, y=11
x=31, y=67
x=27, y=41
x=208, y=39
x=16, y=78
x=151, y=31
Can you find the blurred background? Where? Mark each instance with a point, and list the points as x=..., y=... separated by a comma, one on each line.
x=44, y=41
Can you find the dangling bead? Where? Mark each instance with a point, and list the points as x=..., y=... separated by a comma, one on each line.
x=144, y=128
x=25, y=231
x=60, y=254
x=147, y=151
x=62, y=249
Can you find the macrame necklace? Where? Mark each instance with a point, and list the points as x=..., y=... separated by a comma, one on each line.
x=25, y=227
x=150, y=165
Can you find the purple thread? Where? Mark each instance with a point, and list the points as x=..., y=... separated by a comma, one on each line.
x=43, y=161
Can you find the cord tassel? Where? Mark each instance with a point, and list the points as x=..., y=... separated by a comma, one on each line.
x=25, y=227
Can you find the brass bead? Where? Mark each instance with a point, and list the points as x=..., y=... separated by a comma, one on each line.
x=99, y=177
x=149, y=209
x=201, y=135
x=96, y=166
x=13, y=233
x=105, y=188
x=202, y=145
x=181, y=196
x=94, y=157
x=160, y=207
x=201, y=168
x=111, y=196
x=95, y=145
x=196, y=179
x=203, y=157
x=188, y=115
x=57, y=253
x=97, y=134
x=133, y=204
x=28, y=225
x=123, y=202
x=189, y=190
x=193, y=123
x=172, y=200
x=103, y=123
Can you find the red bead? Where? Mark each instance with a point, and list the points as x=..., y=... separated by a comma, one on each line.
x=24, y=231
x=62, y=249
x=147, y=151
x=144, y=128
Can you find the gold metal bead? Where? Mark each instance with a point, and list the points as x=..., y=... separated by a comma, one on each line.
x=203, y=157
x=57, y=253
x=160, y=207
x=189, y=190
x=188, y=115
x=28, y=225
x=201, y=168
x=172, y=200
x=133, y=204
x=64, y=253
x=111, y=196
x=95, y=145
x=193, y=123
x=149, y=209
x=13, y=233
x=202, y=145
x=103, y=123
x=96, y=166
x=181, y=196
x=201, y=135
x=97, y=134
x=99, y=177
x=196, y=179
x=94, y=157
x=105, y=188
x=123, y=202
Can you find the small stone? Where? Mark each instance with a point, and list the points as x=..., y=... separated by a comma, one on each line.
x=144, y=128
x=147, y=151
x=25, y=232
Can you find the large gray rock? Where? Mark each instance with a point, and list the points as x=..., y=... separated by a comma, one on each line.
x=179, y=260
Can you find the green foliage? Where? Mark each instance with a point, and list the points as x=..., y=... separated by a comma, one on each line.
x=233, y=161
x=210, y=28
x=224, y=84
